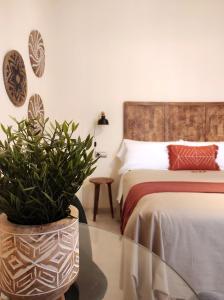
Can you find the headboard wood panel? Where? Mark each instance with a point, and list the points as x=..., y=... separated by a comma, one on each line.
x=169, y=121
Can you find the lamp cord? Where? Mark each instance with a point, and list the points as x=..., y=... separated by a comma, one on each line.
x=94, y=138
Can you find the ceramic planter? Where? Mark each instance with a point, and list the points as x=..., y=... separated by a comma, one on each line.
x=38, y=262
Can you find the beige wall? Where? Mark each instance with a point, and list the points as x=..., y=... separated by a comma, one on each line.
x=112, y=51
x=103, y=52
x=17, y=19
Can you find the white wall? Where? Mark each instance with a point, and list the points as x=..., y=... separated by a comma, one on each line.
x=100, y=53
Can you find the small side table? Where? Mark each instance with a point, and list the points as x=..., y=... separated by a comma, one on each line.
x=97, y=181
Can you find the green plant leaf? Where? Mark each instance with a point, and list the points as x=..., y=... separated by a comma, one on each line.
x=41, y=171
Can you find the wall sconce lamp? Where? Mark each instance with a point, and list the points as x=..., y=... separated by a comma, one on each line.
x=102, y=121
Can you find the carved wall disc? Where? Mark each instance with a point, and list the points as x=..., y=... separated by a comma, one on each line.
x=37, y=53
x=14, y=74
x=36, y=110
x=35, y=107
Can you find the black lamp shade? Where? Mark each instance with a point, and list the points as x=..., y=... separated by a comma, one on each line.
x=103, y=120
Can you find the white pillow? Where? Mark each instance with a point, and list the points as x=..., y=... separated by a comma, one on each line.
x=144, y=155
x=122, y=150
x=220, y=155
x=127, y=144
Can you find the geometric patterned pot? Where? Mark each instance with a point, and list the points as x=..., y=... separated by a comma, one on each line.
x=39, y=261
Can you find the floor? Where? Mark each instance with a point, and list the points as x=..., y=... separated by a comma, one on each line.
x=109, y=244
x=103, y=220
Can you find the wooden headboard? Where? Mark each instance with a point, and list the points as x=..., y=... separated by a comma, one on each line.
x=170, y=121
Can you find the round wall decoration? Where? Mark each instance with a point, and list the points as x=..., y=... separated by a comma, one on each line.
x=14, y=74
x=36, y=110
x=37, y=53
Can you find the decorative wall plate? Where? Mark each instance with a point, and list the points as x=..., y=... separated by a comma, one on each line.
x=14, y=74
x=37, y=53
x=36, y=110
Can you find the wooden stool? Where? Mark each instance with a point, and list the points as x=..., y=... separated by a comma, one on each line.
x=97, y=182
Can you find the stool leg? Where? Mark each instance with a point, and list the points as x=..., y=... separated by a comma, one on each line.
x=121, y=205
x=110, y=198
x=96, y=200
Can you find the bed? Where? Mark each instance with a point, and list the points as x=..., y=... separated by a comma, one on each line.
x=179, y=215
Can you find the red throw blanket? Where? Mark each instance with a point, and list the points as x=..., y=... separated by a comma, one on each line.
x=142, y=189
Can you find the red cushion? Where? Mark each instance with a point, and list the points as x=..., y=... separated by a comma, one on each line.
x=192, y=157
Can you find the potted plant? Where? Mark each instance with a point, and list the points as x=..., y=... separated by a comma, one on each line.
x=41, y=168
